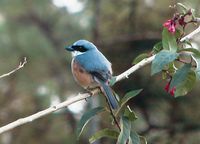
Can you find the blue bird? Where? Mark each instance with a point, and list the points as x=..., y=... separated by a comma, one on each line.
x=91, y=69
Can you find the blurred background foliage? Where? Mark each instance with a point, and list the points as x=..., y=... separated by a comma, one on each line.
x=121, y=29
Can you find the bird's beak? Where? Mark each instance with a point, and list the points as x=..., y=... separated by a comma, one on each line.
x=69, y=48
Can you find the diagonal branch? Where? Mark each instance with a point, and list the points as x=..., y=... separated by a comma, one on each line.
x=189, y=36
x=79, y=97
x=197, y=20
x=134, y=68
x=21, y=65
x=45, y=112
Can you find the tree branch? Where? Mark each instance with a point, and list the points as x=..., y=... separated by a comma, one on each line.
x=45, y=112
x=134, y=68
x=197, y=20
x=21, y=65
x=189, y=36
x=79, y=97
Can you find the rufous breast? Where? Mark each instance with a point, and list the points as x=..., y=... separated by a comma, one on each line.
x=81, y=76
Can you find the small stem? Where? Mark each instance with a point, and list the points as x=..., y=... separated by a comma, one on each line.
x=21, y=65
x=112, y=114
x=168, y=74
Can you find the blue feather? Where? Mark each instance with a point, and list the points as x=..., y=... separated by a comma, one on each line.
x=109, y=95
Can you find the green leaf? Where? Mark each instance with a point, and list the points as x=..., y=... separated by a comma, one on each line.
x=104, y=133
x=180, y=75
x=140, y=58
x=134, y=138
x=193, y=50
x=129, y=96
x=127, y=112
x=188, y=42
x=187, y=85
x=197, y=70
x=157, y=47
x=86, y=118
x=125, y=130
x=130, y=114
x=169, y=41
x=125, y=99
x=161, y=59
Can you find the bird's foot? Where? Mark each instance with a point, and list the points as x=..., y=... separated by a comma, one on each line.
x=93, y=91
x=90, y=92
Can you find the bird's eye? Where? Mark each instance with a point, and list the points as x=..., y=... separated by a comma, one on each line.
x=79, y=48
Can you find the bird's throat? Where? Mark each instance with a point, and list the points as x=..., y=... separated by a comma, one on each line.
x=76, y=53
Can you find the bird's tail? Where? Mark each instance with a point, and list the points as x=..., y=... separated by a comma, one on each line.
x=109, y=95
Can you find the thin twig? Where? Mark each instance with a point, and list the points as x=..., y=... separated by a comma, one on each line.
x=21, y=65
x=112, y=114
x=111, y=111
x=81, y=96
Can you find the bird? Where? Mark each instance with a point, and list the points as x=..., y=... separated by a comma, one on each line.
x=91, y=69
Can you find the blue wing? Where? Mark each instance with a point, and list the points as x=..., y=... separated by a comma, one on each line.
x=97, y=65
x=94, y=61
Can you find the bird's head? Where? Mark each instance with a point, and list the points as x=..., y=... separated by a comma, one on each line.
x=80, y=47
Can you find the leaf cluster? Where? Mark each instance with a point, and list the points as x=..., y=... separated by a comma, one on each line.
x=125, y=134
